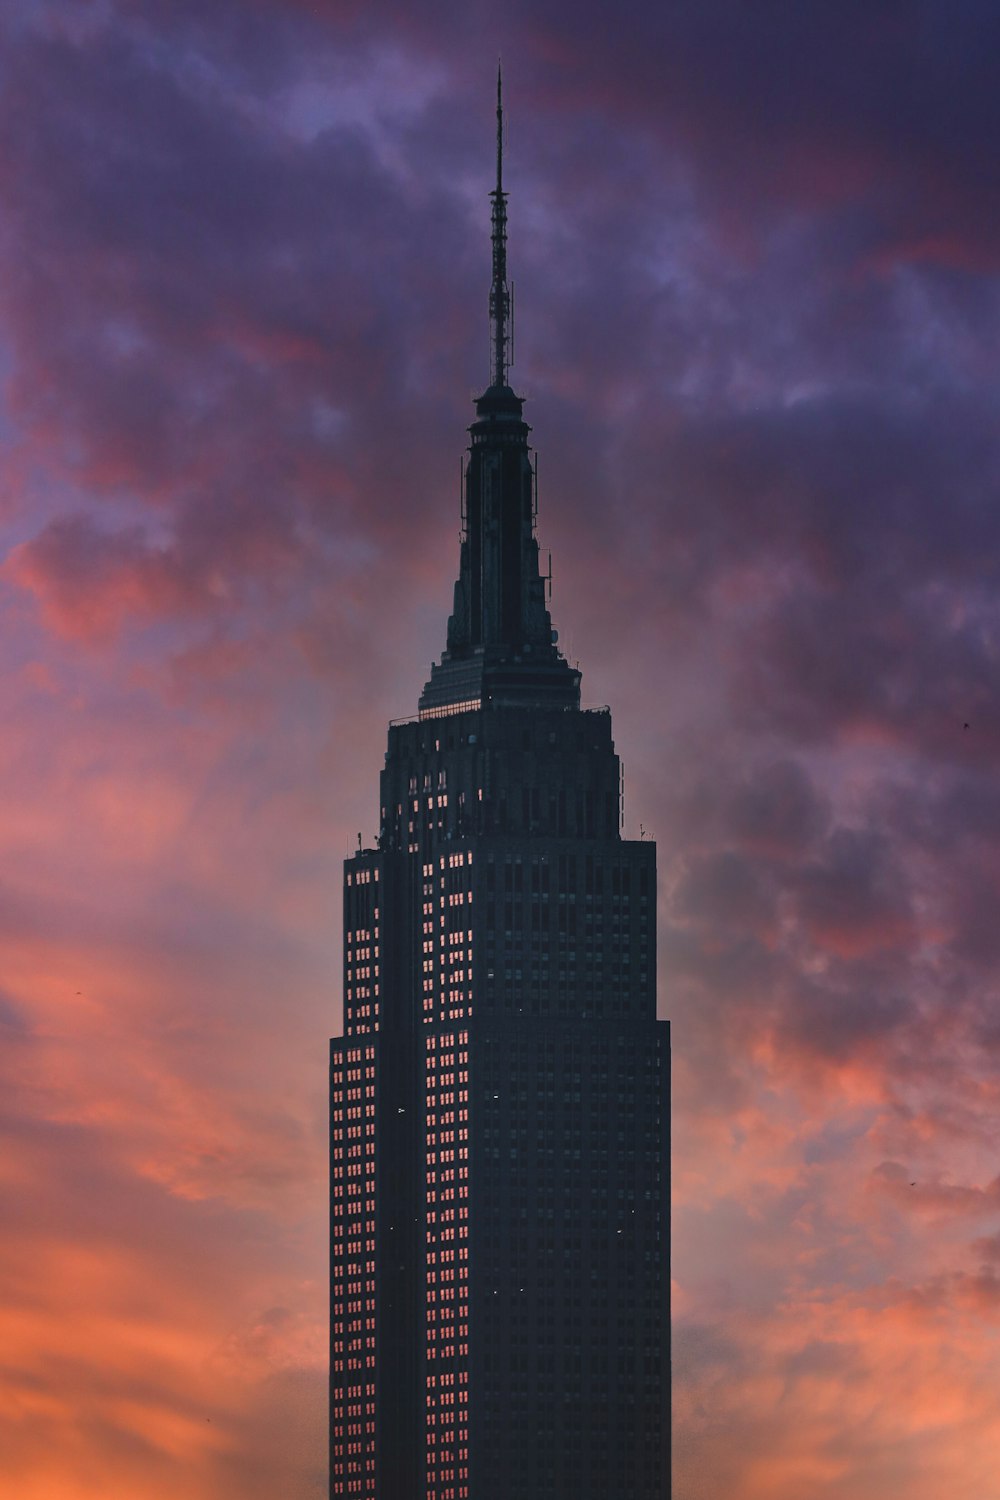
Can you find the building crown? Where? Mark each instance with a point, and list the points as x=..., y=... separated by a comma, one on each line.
x=501, y=644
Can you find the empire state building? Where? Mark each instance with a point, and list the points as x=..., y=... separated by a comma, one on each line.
x=499, y=1100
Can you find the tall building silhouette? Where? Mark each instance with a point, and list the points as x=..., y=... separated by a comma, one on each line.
x=500, y=1096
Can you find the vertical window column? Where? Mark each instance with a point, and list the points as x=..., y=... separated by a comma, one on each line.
x=352, y=1289
x=446, y=1079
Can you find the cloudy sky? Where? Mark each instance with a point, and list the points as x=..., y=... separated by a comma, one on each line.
x=243, y=290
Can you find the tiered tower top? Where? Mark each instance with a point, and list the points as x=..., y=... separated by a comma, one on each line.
x=501, y=644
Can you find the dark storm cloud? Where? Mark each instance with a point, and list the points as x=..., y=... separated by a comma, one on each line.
x=856, y=894
x=808, y=103
x=778, y=812
x=170, y=255
x=840, y=1020
x=208, y=248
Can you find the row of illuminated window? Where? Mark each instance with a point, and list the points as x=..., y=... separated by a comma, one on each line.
x=446, y=1042
x=352, y=1410
x=445, y=1274
x=355, y=1146
x=365, y=1362
x=447, y=1117
x=353, y=1309
x=358, y=1392
x=444, y=1138
x=447, y=1316
x=448, y=1349
x=355, y=1328
x=357, y=1004
x=439, y=1399
x=442, y=777
x=463, y=956
x=458, y=860
x=362, y=877
x=447, y=1215
x=448, y=1174
x=356, y=1233
x=357, y=1155
x=447, y=1379
x=347, y=1278
x=355, y=1114
x=440, y=1411
x=459, y=1173
x=355, y=1138
x=446, y=1074
x=365, y=1168
x=446, y=710
x=354, y=1098
x=455, y=937
x=359, y=939
x=441, y=1094
x=353, y=1056
x=452, y=995
x=438, y=800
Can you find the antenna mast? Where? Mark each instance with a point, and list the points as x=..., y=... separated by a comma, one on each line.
x=500, y=291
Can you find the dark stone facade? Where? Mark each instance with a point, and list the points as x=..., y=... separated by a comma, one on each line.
x=507, y=942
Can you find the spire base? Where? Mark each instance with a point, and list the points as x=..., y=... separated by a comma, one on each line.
x=492, y=678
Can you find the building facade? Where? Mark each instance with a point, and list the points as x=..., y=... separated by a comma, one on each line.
x=500, y=1095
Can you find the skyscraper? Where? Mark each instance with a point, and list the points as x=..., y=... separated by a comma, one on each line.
x=500, y=1096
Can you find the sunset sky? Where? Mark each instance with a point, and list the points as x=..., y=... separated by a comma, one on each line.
x=244, y=266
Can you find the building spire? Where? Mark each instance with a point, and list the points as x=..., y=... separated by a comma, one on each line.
x=500, y=291
x=501, y=645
